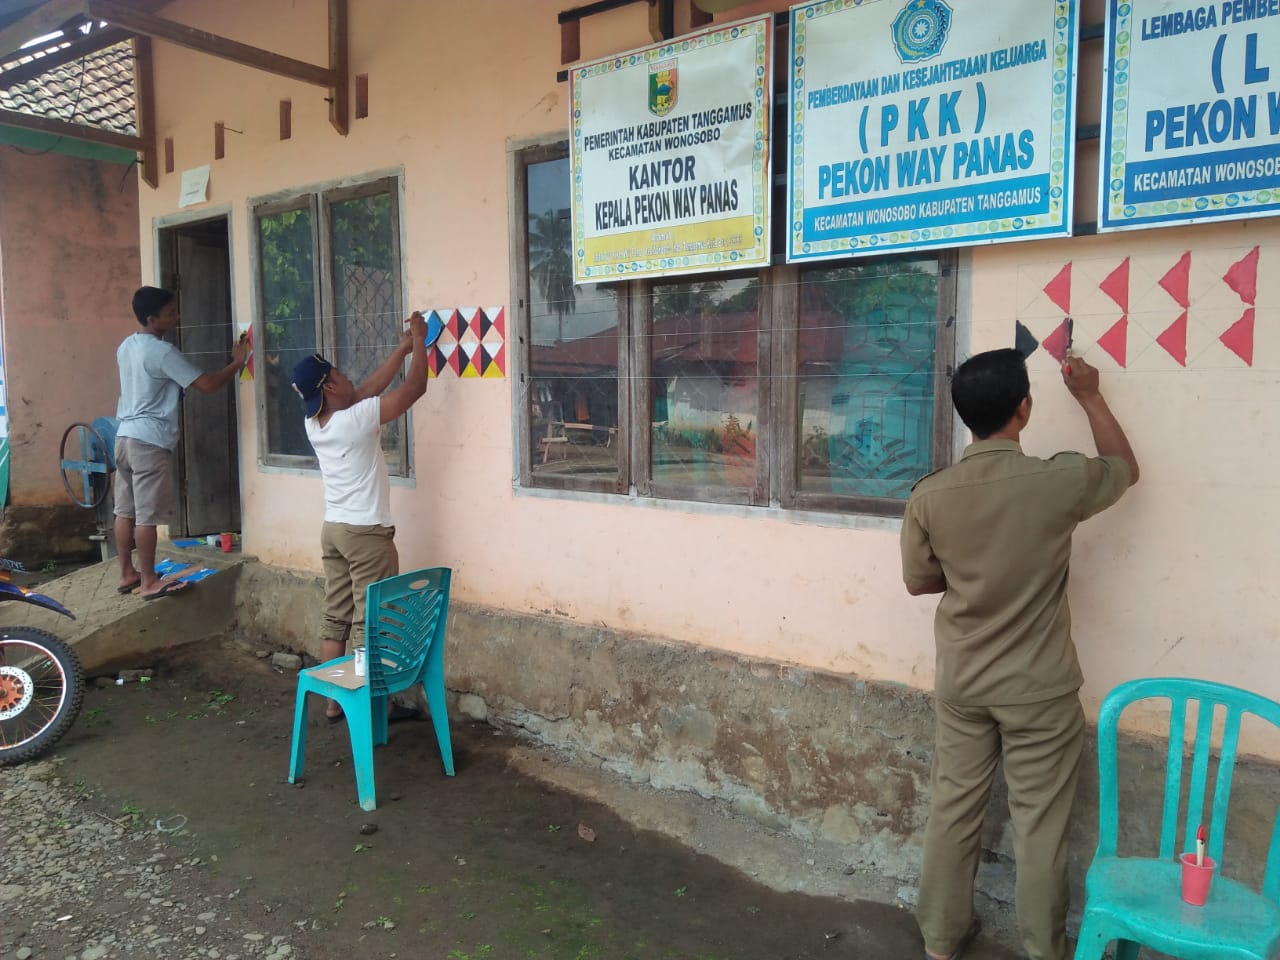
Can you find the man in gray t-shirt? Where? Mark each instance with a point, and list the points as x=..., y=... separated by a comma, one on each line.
x=153, y=374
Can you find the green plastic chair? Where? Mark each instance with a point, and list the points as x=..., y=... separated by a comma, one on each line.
x=1137, y=901
x=405, y=618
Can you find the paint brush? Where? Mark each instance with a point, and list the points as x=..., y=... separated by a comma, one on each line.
x=1071, y=326
x=1201, y=836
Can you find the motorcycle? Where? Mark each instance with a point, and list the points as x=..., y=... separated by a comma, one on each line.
x=41, y=683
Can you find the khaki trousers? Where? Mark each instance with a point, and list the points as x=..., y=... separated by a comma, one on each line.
x=1041, y=745
x=353, y=557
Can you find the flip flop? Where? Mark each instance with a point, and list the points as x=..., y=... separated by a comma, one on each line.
x=170, y=588
x=965, y=942
x=129, y=587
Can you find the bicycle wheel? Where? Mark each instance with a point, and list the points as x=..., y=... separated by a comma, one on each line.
x=41, y=689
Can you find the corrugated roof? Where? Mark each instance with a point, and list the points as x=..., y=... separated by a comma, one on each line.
x=96, y=91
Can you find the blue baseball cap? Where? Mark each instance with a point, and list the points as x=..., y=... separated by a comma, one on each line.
x=309, y=376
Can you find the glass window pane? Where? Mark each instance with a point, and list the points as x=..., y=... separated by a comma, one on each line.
x=286, y=245
x=367, y=321
x=573, y=356
x=866, y=377
x=705, y=384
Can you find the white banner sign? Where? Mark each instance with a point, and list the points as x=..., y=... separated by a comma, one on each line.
x=671, y=156
x=1191, y=114
x=920, y=123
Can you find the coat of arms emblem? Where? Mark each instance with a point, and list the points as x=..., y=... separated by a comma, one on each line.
x=920, y=29
x=662, y=87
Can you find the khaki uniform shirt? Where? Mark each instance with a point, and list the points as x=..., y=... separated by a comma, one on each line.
x=996, y=527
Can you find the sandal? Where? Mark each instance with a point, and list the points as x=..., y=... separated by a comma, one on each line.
x=171, y=588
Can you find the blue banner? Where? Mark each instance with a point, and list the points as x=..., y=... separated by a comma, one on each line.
x=1191, y=112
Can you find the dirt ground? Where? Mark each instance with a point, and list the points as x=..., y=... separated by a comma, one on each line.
x=487, y=864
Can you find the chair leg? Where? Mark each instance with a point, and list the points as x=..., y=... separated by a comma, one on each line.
x=379, y=716
x=1127, y=949
x=433, y=686
x=360, y=727
x=297, y=755
x=1093, y=939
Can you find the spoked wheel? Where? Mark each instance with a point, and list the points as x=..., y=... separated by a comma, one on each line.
x=41, y=689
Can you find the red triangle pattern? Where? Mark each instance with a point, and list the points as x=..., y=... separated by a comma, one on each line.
x=1055, y=344
x=463, y=327
x=436, y=361
x=454, y=324
x=1238, y=338
x=1059, y=289
x=1242, y=277
x=1174, y=339
x=1178, y=280
x=1116, y=286
x=1116, y=340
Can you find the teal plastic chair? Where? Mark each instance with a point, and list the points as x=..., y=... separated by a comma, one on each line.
x=405, y=619
x=1137, y=901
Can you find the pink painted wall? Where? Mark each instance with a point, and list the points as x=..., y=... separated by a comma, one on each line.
x=69, y=263
x=1176, y=580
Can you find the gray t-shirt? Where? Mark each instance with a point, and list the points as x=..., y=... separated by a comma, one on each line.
x=153, y=375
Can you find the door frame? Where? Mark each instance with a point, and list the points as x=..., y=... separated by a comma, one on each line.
x=165, y=232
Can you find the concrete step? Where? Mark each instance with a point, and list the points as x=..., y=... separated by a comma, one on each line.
x=113, y=630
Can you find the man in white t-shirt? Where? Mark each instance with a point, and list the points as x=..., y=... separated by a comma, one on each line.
x=153, y=374
x=344, y=425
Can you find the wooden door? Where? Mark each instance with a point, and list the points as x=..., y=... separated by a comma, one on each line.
x=208, y=451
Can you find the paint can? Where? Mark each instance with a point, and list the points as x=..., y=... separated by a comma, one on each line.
x=358, y=659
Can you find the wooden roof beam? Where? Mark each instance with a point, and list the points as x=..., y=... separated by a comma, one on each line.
x=149, y=25
x=144, y=94
x=49, y=17
x=95, y=41
x=340, y=88
x=74, y=131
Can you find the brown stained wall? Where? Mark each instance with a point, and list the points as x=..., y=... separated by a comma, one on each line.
x=69, y=264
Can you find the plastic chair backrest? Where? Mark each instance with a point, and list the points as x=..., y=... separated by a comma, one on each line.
x=404, y=618
x=1182, y=693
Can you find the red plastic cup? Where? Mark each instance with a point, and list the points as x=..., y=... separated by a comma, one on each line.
x=226, y=543
x=1195, y=879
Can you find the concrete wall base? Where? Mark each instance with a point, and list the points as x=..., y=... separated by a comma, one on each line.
x=827, y=759
x=38, y=533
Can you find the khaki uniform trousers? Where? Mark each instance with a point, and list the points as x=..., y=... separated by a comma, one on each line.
x=1041, y=745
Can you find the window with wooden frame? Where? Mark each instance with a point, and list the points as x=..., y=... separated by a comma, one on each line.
x=821, y=388
x=329, y=281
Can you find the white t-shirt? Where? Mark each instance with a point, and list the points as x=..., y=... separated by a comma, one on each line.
x=153, y=375
x=349, y=448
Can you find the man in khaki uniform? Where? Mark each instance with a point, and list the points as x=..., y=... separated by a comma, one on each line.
x=992, y=534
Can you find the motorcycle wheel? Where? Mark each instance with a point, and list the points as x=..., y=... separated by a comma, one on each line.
x=41, y=689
